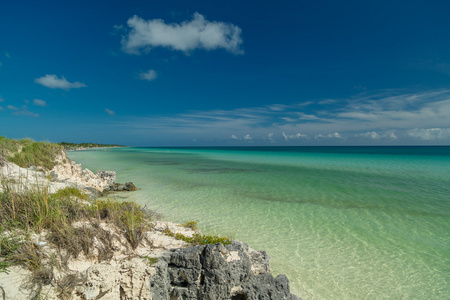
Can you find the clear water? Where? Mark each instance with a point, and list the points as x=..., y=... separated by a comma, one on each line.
x=340, y=222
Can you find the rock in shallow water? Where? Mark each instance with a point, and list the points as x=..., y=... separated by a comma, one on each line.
x=108, y=177
x=230, y=272
x=128, y=186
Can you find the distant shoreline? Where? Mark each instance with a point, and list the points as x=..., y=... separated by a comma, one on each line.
x=93, y=148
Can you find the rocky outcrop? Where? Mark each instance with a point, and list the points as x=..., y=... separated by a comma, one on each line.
x=229, y=272
x=222, y=272
x=67, y=170
x=128, y=186
x=108, y=178
x=66, y=173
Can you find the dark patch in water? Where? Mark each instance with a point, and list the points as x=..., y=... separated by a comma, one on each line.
x=342, y=204
x=222, y=170
x=163, y=162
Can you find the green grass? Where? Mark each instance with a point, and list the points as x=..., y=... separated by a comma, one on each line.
x=190, y=224
x=26, y=152
x=199, y=239
x=8, y=146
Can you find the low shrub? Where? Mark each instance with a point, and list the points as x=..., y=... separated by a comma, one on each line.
x=39, y=154
x=199, y=239
x=190, y=224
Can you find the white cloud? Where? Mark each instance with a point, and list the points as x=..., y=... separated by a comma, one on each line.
x=2, y=99
x=288, y=137
x=377, y=136
x=277, y=107
x=149, y=75
x=270, y=136
x=327, y=101
x=246, y=137
x=53, y=82
x=388, y=117
x=25, y=112
x=303, y=116
x=372, y=135
x=197, y=33
x=1, y=107
x=110, y=112
x=21, y=111
x=39, y=102
x=429, y=134
x=335, y=135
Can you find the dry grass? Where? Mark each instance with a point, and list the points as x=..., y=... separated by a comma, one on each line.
x=71, y=224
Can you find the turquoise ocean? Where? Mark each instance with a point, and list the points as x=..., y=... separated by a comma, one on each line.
x=340, y=222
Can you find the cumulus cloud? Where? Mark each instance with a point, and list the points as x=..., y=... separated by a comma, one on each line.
x=12, y=107
x=246, y=137
x=377, y=136
x=335, y=135
x=386, y=117
x=53, y=82
x=149, y=75
x=288, y=137
x=429, y=134
x=39, y=102
x=110, y=112
x=197, y=33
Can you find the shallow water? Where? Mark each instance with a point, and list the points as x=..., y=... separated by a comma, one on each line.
x=341, y=222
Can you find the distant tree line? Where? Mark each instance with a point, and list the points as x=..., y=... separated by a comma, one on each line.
x=87, y=145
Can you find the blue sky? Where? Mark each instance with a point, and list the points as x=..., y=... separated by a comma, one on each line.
x=230, y=73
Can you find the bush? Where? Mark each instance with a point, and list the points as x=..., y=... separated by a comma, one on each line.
x=39, y=154
x=199, y=239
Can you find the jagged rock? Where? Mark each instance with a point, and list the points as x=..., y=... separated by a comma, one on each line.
x=65, y=174
x=218, y=272
x=108, y=177
x=68, y=171
x=128, y=186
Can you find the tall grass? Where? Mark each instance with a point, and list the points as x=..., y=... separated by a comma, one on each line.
x=36, y=211
x=26, y=152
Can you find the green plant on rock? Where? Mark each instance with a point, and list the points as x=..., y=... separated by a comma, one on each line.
x=150, y=260
x=198, y=238
x=190, y=224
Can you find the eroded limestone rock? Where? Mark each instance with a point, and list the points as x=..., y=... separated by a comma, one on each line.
x=228, y=272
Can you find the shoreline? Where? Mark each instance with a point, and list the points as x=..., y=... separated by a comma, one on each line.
x=161, y=243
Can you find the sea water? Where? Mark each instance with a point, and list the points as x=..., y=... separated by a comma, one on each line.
x=340, y=222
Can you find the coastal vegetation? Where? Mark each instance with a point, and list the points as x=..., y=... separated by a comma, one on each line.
x=26, y=152
x=198, y=238
x=77, y=146
x=68, y=222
